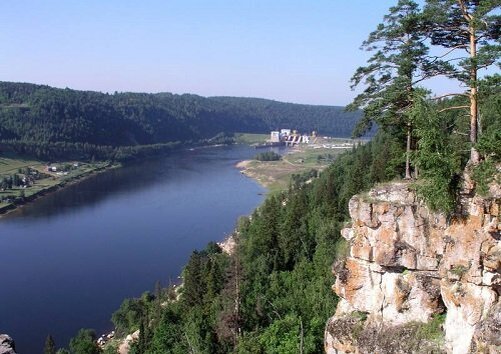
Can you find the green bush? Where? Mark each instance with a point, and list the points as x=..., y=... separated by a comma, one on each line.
x=483, y=174
x=268, y=156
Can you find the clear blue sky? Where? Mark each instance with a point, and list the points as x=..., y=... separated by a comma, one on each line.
x=301, y=51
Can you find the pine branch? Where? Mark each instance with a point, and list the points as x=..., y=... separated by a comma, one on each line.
x=454, y=107
x=450, y=94
x=468, y=17
x=450, y=51
x=426, y=77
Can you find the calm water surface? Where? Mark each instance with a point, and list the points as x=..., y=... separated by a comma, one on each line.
x=68, y=260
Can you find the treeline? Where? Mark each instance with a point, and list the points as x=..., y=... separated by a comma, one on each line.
x=268, y=156
x=328, y=120
x=82, y=151
x=40, y=117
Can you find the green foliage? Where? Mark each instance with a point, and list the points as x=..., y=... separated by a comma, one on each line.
x=438, y=158
x=483, y=174
x=84, y=343
x=399, y=62
x=110, y=349
x=449, y=22
x=128, y=317
x=169, y=334
x=282, y=336
x=490, y=113
x=362, y=316
x=50, y=345
x=432, y=330
x=469, y=33
x=268, y=156
x=342, y=249
x=399, y=57
x=459, y=270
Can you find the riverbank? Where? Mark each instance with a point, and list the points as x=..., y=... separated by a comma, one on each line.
x=54, y=182
x=57, y=179
x=276, y=175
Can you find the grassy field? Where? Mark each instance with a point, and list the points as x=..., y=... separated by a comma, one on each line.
x=275, y=175
x=11, y=164
x=250, y=139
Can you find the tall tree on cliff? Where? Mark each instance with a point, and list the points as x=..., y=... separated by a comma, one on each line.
x=470, y=33
x=400, y=61
x=50, y=345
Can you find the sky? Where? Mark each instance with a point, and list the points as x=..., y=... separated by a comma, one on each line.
x=301, y=51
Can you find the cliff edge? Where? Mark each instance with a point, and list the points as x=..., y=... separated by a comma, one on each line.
x=415, y=281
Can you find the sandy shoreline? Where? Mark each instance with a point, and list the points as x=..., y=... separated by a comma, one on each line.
x=243, y=164
x=246, y=170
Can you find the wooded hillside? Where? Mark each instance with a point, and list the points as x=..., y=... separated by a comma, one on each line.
x=50, y=122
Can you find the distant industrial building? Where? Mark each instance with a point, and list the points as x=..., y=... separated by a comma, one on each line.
x=275, y=137
x=290, y=137
x=285, y=132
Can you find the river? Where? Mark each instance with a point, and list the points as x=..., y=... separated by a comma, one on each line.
x=69, y=259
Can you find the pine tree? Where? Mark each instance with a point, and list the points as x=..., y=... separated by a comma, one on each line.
x=470, y=32
x=400, y=61
x=50, y=345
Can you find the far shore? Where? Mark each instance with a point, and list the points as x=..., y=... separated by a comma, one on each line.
x=11, y=207
x=275, y=176
x=61, y=185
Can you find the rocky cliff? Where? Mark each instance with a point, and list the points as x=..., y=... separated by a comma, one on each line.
x=415, y=281
x=7, y=345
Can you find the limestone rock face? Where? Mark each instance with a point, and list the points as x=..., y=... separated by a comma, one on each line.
x=408, y=264
x=7, y=345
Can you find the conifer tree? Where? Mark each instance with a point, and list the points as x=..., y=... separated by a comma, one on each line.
x=50, y=345
x=400, y=61
x=470, y=33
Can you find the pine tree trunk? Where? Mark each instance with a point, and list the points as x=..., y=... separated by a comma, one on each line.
x=408, y=153
x=474, y=155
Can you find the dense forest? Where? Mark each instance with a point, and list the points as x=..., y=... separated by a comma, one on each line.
x=273, y=293
x=53, y=123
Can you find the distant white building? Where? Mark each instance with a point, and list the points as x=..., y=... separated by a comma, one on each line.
x=284, y=132
x=275, y=137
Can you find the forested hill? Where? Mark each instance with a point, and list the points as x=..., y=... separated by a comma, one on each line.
x=41, y=115
x=330, y=120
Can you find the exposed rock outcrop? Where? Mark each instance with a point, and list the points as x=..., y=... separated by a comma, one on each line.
x=124, y=346
x=7, y=345
x=229, y=245
x=409, y=267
